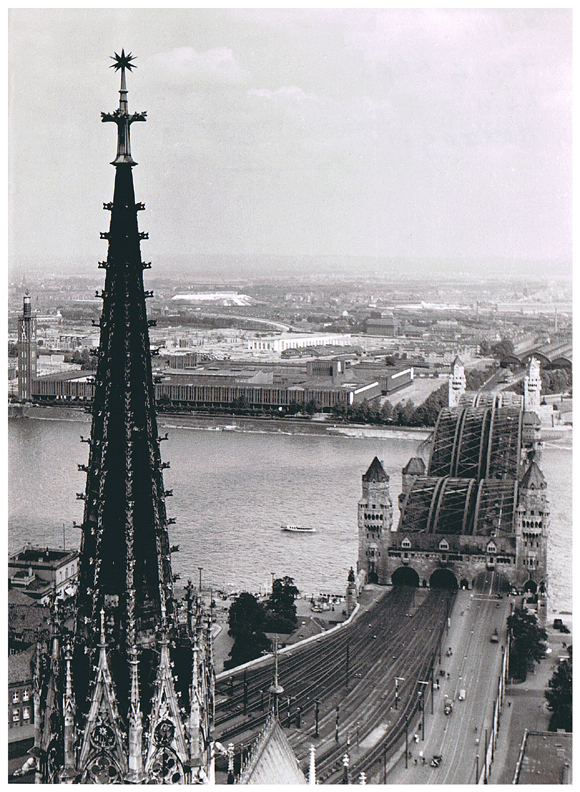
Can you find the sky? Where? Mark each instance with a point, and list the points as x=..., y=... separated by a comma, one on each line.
x=385, y=133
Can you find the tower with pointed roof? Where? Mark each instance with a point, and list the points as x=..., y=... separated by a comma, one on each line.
x=532, y=386
x=375, y=520
x=532, y=529
x=457, y=382
x=130, y=700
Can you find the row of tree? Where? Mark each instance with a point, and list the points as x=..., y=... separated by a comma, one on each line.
x=403, y=413
x=249, y=620
x=528, y=647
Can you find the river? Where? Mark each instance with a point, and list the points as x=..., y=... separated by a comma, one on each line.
x=234, y=490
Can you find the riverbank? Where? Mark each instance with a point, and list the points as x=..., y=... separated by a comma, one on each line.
x=230, y=423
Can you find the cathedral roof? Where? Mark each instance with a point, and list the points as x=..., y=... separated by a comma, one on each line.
x=414, y=467
x=533, y=478
x=376, y=472
x=272, y=759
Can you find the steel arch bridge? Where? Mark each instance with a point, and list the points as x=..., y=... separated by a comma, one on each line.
x=471, y=485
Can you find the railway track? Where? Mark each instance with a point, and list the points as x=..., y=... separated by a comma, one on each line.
x=354, y=668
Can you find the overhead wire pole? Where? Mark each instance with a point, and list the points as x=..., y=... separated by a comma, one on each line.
x=397, y=680
x=422, y=701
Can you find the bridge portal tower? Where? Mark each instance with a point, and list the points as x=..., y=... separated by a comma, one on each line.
x=27, y=350
x=375, y=520
x=457, y=382
x=532, y=387
x=532, y=529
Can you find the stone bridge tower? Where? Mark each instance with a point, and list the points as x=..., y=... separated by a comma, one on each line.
x=457, y=382
x=375, y=520
x=532, y=387
x=127, y=696
x=532, y=529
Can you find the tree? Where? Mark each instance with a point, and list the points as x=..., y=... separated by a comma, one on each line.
x=559, y=695
x=281, y=605
x=528, y=642
x=246, y=619
x=403, y=413
x=426, y=414
x=311, y=407
x=386, y=412
x=502, y=348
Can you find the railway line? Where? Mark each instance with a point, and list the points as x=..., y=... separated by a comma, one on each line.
x=345, y=683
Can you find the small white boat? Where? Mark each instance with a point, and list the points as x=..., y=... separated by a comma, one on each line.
x=298, y=529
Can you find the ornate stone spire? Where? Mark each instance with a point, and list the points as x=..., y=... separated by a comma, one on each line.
x=69, y=708
x=119, y=688
x=102, y=755
x=125, y=555
x=121, y=116
x=136, y=774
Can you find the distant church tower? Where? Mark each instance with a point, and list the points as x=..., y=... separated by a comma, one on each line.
x=532, y=387
x=375, y=520
x=532, y=529
x=27, y=350
x=127, y=697
x=457, y=382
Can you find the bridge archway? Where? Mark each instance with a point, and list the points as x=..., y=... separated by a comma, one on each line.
x=373, y=577
x=531, y=586
x=443, y=579
x=464, y=583
x=405, y=576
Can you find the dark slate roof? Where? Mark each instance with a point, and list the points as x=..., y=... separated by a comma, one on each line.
x=272, y=760
x=376, y=472
x=19, y=666
x=414, y=467
x=533, y=478
x=19, y=597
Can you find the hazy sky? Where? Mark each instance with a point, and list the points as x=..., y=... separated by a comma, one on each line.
x=369, y=132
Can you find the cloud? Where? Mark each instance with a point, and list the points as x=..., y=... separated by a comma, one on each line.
x=184, y=64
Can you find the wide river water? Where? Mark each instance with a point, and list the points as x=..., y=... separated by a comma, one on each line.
x=234, y=490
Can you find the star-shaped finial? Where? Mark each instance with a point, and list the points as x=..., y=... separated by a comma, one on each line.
x=122, y=61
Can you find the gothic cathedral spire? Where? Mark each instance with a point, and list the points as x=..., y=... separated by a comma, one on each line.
x=116, y=706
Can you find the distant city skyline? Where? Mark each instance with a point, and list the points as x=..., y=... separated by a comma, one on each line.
x=415, y=134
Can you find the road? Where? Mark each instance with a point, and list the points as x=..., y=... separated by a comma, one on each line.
x=474, y=667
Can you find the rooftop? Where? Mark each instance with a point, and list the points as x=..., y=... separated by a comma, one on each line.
x=545, y=758
x=46, y=556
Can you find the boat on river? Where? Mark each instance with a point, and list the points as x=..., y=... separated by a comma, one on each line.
x=298, y=529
